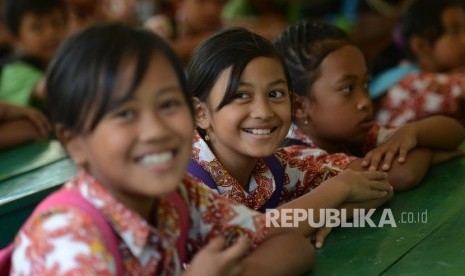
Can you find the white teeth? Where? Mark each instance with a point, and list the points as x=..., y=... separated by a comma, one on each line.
x=261, y=131
x=156, y=158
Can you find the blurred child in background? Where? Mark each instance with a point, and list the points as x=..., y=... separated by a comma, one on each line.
x=422, y=72
x=38, y=27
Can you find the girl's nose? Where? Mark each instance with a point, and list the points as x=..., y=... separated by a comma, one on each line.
x=262, y=110
x=364, y=103
x=151, y=127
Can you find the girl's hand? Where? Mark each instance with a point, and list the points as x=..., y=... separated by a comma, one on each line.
x=399, y=144
x=215, y=259
x=364, y=186
x=319, y=236
x=39, y=120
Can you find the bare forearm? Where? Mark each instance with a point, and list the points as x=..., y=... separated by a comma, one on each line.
x=371, y=204
x=284, y=254
x=330, y=194
x=439, y=132
x=407, y=175
x=17, y=132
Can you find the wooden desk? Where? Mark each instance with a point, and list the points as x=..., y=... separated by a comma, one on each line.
x=27, y=175
x=436, y=247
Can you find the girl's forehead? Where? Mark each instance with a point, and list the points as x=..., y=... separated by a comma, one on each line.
x=345, y=53
x=453, y=15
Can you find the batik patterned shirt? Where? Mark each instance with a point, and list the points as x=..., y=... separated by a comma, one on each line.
x=301, y=175
x=420, y=95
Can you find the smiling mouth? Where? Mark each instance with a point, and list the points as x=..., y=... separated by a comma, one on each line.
x=156, y=159
x=259, y=131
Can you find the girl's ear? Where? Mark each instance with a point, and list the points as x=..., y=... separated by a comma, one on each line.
x=420, y=47
x=300, y=106
x=72, y=144
x=201, y=116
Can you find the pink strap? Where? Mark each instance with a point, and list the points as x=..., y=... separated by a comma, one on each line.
x=5, y=259
x=71, y=197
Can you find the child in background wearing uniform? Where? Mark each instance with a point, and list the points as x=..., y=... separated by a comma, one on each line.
x=38, y=27
x=333, y=111
x=242, y=95
x=19, y=124
x=124, y=117
x=422, y=72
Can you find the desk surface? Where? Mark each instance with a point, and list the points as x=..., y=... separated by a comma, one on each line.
x=434, y=246
x=27, y=175
x=30, y=168
x=430, y=245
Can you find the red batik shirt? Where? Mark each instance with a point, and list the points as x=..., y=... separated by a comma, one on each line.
x=64, y=241
x=420, y=95
x=376, y=136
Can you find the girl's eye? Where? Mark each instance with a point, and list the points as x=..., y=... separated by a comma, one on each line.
x=346, y=89
x=241, y=95
x=125, y=114
x=276, y=94
x=170, y=104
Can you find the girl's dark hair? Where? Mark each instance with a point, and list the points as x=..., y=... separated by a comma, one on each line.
x=13, y=11
x=304, y=46
x=421, y=18
x=82, y=79
x=232, y=47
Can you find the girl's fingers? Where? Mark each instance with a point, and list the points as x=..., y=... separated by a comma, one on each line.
x=321, y=235
x=402, y=155
x=238, y=249
x=379, y=194
x=375, y=160
x=216, y=244
x=375, y=175
x=40, y=123
x=388, y=160
x=366, y=159
x=383, y=186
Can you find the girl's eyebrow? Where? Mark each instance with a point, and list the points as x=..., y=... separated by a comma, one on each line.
x=168, y=89
x=273, y=83
x=347, y=77
x=164, y=90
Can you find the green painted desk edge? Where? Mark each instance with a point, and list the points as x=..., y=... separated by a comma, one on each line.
x=21, y=194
